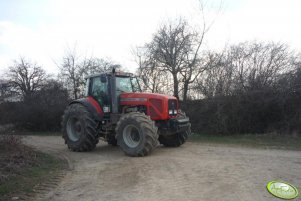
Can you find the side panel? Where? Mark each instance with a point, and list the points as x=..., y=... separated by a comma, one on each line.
x=92, y=106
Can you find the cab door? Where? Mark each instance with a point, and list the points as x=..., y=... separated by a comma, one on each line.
x=98, y=89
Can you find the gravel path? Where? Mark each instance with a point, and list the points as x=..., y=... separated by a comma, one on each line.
x=195, y=171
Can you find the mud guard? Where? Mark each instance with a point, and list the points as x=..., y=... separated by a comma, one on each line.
x=92, y=106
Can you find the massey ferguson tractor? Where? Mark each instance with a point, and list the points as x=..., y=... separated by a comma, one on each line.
x=115, y=110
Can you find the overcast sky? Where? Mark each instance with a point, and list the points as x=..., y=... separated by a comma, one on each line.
x=41, y=30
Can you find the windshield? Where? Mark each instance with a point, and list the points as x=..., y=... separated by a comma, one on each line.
x=136, y=85
x=127, y=84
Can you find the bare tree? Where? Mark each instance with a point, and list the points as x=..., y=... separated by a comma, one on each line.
x=153, y=79
x=175, y=50
x=169, y=48
x=258, y=65
x=98, y=65
x=26, y=77
x=167, y=52
x=244, y=67
x=70, y=72
x=74, y=68
x=196, y=64
x=4, y=89
x=216, y=79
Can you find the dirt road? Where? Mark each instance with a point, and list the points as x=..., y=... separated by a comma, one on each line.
x=192, y=172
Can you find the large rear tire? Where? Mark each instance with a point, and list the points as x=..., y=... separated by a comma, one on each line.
x=136, y=134
x=79, y=128
x=177, y=139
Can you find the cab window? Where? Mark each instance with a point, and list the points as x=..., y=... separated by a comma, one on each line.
x=99, y=90
x=123, y=84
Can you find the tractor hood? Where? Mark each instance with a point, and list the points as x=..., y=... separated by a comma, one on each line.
x=158, y=106
x=144, y=96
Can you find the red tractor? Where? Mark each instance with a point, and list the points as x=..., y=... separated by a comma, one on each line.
x=116, y=111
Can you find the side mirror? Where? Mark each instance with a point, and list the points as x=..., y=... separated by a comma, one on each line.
x=103, y=78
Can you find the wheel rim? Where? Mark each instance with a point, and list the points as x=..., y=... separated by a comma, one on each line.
x=131, y=136
x=74, y=129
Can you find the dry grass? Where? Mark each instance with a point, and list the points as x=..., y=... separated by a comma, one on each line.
x=14, y=157
x=22, y=168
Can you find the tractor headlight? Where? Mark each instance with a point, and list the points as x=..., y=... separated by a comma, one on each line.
x=172, y=107
x=172, y=112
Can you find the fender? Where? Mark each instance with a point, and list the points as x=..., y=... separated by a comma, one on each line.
x=92, y=106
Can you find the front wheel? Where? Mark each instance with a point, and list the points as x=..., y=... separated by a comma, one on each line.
x=176, y=139
x=136, y=134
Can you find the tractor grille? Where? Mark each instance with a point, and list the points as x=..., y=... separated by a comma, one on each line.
x=172, y=107
x=155, y=103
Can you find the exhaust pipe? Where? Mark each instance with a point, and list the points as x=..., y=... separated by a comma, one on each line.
x=113, y=93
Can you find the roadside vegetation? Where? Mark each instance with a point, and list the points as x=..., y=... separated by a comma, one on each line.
x=22, y=168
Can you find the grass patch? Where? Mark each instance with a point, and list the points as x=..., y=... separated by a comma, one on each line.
x=252, y=140
x=22, y=168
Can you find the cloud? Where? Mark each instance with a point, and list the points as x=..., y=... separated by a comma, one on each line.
x=104, y=29
x=17, y=40
x=112, y=28
x=269, y=20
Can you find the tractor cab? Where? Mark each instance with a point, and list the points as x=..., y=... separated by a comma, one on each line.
x=106, y=88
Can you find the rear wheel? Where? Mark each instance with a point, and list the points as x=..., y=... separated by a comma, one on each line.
x=79, y=128
x=177, y=139
x=136, y=134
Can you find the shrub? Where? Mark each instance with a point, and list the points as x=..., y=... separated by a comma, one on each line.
x=39, y=111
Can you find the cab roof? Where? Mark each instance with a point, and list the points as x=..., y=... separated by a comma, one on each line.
x=117, y=73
